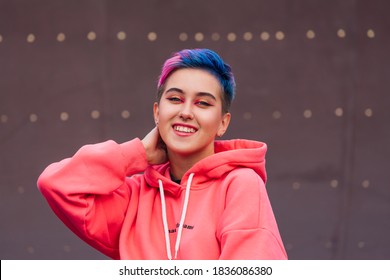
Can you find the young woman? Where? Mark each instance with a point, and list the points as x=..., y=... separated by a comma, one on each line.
x=178, y=193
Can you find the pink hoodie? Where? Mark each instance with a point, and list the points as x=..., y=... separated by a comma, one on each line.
x=109, y=196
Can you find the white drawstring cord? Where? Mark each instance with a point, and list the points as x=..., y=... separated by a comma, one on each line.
x=165, y=222
x=183, y=216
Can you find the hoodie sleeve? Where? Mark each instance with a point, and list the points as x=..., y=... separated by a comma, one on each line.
x=89, y=192
x=248, y=229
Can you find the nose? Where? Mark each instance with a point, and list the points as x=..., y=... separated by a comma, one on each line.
x=186, y=112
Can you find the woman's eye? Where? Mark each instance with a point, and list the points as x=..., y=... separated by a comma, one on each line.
x=203, y=103
x=174, y=99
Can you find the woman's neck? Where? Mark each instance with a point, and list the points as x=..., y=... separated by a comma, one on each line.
x=180, y=164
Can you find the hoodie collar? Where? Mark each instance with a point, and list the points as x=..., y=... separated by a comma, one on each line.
x=229, y=154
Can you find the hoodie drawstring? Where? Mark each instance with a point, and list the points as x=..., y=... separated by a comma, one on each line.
x=183, y=216
x=165, y=222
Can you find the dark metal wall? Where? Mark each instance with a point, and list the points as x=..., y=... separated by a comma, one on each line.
x=313, y=82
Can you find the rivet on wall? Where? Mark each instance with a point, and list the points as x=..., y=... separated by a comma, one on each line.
x=276, y=115
x=33, y=118
x=152, y=36
x=307, y=114
x=125, y=114
x=296, y=186
x=247, y=116
x=368, y=112
x=310, y=34
x=215, y=36
x=289, y=246
x=183, y=36
x=264, y=36
x=366, y=184
x=31, y=249
x=361, y=244
x=91, y=36
x=328, y=244
x=199, y=36
x=334, y=183
x=370, y=33
x=95, y=114
x=231, y=37
x=121, y=35
x=30, y=38
x=248, y=36
x=339, y=112
x=61, y=37
x=64, y=116
x=280, y=35
x=341, y=33
x=21, y=190
x=4, y=118
x=67, y=248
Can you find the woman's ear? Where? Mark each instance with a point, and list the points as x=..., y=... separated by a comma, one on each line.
x=155, y=112
x=224, y=124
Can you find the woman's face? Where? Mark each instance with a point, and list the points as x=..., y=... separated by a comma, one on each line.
x=189, y=114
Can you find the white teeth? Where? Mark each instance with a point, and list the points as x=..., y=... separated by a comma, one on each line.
x=184, y=129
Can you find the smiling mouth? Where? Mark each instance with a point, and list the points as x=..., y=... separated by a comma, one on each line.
x=184, y=129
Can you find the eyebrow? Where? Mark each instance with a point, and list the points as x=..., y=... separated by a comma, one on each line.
x=199, y=94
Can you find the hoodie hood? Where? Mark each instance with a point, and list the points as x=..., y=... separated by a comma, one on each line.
x=229, y=154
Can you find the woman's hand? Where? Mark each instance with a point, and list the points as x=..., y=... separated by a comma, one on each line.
x=156, y=152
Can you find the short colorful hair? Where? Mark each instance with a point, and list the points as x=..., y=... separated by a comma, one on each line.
x=204, y=59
